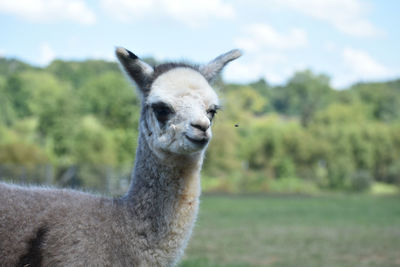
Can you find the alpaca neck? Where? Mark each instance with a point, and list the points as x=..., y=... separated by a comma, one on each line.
x=164, y=194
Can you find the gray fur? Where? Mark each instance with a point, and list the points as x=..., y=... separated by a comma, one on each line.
x=213, y=68
x=136, y=69
x=149, y=226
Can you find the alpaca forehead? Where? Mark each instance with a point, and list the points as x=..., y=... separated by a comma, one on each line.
x=182, y=83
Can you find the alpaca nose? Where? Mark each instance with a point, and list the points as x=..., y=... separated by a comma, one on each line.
x=201, y=125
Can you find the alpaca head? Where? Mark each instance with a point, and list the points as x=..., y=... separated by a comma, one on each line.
x=178, y=103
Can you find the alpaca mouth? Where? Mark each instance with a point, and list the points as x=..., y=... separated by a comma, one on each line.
x=198, y=141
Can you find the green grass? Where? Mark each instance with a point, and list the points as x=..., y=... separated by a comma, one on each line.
x=355, y=230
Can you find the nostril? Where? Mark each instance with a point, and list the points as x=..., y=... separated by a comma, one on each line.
x=202, y=127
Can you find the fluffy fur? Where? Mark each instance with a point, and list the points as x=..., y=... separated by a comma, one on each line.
x=152, y=223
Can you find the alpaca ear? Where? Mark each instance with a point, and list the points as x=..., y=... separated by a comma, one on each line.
x=139, y=71
x=213, y=68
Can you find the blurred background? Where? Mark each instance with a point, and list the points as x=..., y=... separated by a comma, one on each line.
x=304, y=165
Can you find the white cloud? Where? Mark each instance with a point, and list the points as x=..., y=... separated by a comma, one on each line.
x=274, y=73
x=46, y=54
x=126, y=10
x=190, y=12
x=360, y=66
x=263, y=36
x=49, y=10
x=274, y=67
x=2, y=53
x=330, y=46
x=348, y=16
x=103, y=55
x=239, y=71
x=364, y=66
x=267, y=53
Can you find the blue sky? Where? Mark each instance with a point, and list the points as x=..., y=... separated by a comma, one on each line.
x=349, y=40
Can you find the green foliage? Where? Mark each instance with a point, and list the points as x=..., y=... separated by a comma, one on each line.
x=9, y=66
x=77, y=73
x=110, y=98
x=7, y=111
x=82, y=118
x=361, y=181
x=304, y=94
x=17, y=95
x=20, y=153
x=93, y=143
x=384, y=99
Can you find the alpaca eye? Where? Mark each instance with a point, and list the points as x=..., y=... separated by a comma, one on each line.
x=162, y=111
x=211, y=113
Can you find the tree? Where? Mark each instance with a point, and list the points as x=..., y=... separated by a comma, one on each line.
x=78, y=72
x=303, y=95
x=7, y=112
x=383, y=98
x=111, y=99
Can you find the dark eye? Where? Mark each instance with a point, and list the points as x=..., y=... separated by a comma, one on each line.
x=162, y=111
x=211, y=113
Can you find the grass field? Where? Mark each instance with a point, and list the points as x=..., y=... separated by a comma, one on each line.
x=355, y=230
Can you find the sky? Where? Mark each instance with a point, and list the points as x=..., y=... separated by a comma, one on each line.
x=348, y=40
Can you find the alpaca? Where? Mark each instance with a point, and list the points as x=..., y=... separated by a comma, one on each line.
x=151, y=224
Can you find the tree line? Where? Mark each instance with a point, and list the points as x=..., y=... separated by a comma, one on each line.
x=302, y=134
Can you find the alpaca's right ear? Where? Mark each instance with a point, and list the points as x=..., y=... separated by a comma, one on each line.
x=139, y=71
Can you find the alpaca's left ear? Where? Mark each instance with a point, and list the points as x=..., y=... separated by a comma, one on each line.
x=139, y=71
x=212, y=69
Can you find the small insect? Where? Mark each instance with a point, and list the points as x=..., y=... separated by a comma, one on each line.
x=237, y=125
